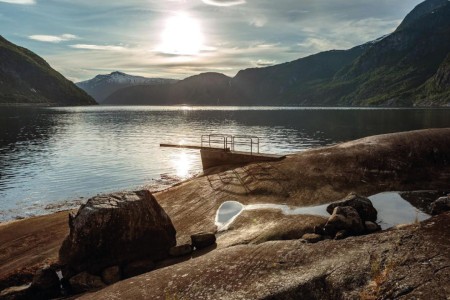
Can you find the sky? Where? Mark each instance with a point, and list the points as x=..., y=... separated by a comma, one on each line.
x=180, y=38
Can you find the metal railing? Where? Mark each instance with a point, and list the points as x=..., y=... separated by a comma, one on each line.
x=246, y=140
x=225, y=140
x=229, y=142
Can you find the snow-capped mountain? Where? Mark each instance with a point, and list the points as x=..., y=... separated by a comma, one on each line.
x=101, y=86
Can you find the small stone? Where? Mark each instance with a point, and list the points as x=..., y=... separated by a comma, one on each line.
x=312, y=237
x=180, y=250
x=344, y=218
x=371, y=227
x=46, y=279
x=203, y=240
x=363, y=206
x=138, y=267
x=111, y=275
x=341, y=234
x=440, y=205
x=84, y=282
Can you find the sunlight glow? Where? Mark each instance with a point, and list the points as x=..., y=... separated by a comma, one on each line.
x=182, y=165
x=182, y=35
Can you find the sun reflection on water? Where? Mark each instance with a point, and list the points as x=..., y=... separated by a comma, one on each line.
x=183, y=163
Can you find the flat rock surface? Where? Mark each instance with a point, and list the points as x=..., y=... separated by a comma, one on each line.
x=28, y=245
x=393, y=162
x=404, y=263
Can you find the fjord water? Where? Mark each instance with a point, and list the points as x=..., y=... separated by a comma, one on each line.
x=50, y=157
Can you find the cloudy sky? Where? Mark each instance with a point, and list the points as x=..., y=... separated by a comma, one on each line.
x=178, y=38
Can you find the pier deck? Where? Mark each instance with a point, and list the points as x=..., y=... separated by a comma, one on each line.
x=216, y=156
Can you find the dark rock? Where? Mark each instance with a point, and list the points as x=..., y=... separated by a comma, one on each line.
x=312, y=237
x=181, y=250
x=371, y=227
x=111, y=275
x=362, y=205
x=84, y=282
x=138, y=267
x=344, y=218
x=341, y=234
x=115, y=229
x=46, y=284
x=318, y=230
x=440, y=205
x=16, y=293
x=422, y=199
x=203, y=240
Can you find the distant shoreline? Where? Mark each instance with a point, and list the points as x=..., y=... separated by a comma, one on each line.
x=445, y=107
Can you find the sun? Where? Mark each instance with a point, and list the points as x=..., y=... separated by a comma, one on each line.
x=182, y=35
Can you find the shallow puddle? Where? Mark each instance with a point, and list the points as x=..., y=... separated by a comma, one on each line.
x=227, y=213
x=392, y=210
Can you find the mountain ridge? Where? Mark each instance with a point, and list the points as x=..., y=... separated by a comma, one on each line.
x=103, y=85
x=26, y=78
x=408, y=67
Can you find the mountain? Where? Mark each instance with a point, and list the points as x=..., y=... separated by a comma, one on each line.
x=279, y=84
x=395, y=70
x=202, y=89
x=26, y=78
x=408, y=67
x=101, y=86
x=404, y=68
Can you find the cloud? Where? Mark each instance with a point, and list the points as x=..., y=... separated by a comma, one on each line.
x=53, y=38
x=23, y=2
x=258, y=21
x=98, y=47
x=264, y=63
x=224, y=2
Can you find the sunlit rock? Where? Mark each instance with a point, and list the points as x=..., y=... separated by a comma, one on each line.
x=116, y=229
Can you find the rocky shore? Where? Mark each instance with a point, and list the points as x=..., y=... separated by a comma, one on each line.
x=264, y=254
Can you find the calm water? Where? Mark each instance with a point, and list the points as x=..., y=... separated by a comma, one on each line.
x=51, y=156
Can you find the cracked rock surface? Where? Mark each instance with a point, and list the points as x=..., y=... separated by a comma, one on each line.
x=408, y=263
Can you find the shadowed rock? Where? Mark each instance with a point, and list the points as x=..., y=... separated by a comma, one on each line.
x=45, y=284
x=181, y=250
x=84, y=282
x=116, y=229
x=111, y=275
x=371, y=227
x=203, y=239
x=138, y=267
x=344, y=218
x=440, y=205
x=362, y=205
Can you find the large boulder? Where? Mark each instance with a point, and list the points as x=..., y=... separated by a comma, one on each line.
x=441, y=205
x=344, y=218
x=362, y=205
x=116, y=229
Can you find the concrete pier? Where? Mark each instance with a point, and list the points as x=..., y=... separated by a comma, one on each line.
x=213, y=157
x=218, y=157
